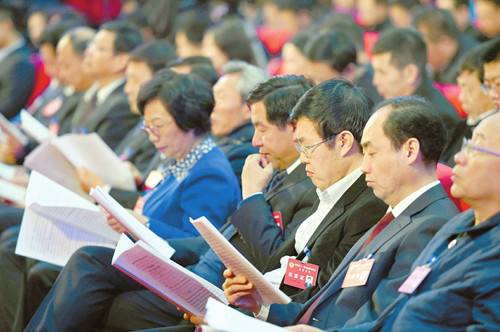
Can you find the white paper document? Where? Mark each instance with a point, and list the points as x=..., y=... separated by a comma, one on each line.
x=133, y=226
x=34, y=128
x=7, y=172
x=47, y=160
x=10, y=129
x=165, y=277
x=56, y=222
x=223, y=318
x=90, y=151
x=58, y=158
x=239, y=264
x=13, y=192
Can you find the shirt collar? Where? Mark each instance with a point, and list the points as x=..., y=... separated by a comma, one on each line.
x=181, y=168
x=481, y=117
x=104, y=92
x=401, y=206
x=333, y=193
x=474, y=230
x=293, y=166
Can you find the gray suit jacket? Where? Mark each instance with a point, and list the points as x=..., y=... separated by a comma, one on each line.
x=394, y=251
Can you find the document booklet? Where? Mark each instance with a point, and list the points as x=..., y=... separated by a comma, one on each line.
x=224, y=318
x=166, y=278
x=57, y=222
x=234, y=260
x=133, y=226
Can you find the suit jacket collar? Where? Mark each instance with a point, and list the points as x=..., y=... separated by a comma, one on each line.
x=297, y=175
x=338, y=209
x=404, y=219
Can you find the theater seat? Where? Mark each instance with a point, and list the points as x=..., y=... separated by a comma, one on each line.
x=42, y=80
x=444, y=176
x=451, y=92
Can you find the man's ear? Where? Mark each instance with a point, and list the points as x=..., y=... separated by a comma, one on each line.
x=120, y=62
x=345, y=140
x=411, y=149
x=411, y=74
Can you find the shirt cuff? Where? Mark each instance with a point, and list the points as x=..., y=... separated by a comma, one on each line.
x=263, y=313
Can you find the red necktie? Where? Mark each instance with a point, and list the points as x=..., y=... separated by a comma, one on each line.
x=386, y=220
x=379, y=227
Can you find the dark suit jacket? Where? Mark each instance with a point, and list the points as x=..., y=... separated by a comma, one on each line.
x=354, y=213
x=394, y=251
x=111, y=119
x=17, y=77
x=293, y=198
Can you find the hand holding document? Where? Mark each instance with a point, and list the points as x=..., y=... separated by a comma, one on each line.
x=134, y=227
x=224, y=318
x=58, y=159
x=267, y=294
x=165, y=277
x=57, y=222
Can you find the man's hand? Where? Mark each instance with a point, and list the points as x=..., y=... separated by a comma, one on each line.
x=115, y=224
x=88, y=179
x=303, y=328
x=255, y=176
x=196, y=320
x=238, y=291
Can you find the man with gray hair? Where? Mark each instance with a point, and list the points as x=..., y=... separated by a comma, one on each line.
x=230, y=118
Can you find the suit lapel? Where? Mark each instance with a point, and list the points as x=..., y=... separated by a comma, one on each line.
x=297, y=175
x=338, y=209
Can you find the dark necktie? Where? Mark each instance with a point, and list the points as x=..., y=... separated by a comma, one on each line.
x=386, y=220
x=276, y=180
x=90, y=110
x=379, y=227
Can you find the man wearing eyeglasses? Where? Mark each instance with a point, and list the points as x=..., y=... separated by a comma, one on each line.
x=401, y=144
x=491, y=85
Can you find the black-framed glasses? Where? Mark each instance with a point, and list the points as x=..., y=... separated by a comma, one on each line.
x=154, y=129
x=469, y=147
x=486, y=87
x=307, y=150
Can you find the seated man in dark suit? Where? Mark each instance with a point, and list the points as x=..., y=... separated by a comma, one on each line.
x=459, y=288
x=400, y=155
x=104, y=108
x=142, y=308
x=17, y=74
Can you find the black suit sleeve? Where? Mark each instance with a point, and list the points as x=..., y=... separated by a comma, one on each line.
x=16, y=84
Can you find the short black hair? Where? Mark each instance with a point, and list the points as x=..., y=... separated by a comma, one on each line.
x=230, y=36
x=279, y=94
x=14, y=13
x=332, y=47
x=80, y=37
x=414, y=117
x=491, y=51
x=198, y=65
x=473, y=61
x=438, y=22
x=334, y=106
x=405, y=45
x=127, y=36
x=155, y=54
x=347, y=25
x=186, y=98
x=407, y=4
x=193, y=24
x=53, y=32
x=294, y=5
x=188, y=61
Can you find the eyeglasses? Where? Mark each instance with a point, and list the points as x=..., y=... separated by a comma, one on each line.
x=154, y=129
x=307, y=150
x=494, y=85
x=468, y=147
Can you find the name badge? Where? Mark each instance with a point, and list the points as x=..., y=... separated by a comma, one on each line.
x=358, y=273
x=415, y=279
x=300, y=275
x=278, y=220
